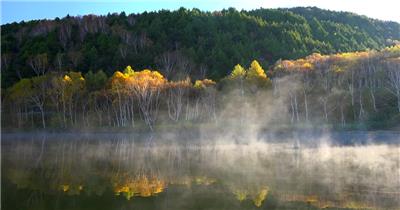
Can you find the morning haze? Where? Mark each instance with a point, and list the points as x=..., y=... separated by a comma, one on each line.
x=229, y=106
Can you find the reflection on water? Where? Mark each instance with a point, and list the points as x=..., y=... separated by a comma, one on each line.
x=110, y=172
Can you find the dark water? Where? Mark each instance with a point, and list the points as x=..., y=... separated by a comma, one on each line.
x=172, y=171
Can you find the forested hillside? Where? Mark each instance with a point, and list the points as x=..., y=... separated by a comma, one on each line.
x=184, y=42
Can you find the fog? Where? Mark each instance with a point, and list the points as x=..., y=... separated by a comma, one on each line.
x=256, y=171
x=247, y=156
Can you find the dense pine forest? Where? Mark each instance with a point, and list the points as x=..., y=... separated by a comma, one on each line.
x=267, y=67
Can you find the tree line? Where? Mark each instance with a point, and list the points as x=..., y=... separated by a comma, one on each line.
x=345, y=88
x=184, y=42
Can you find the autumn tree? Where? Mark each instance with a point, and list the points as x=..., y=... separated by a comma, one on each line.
x=119, y=91
x=33, y=90
x=147, y=86
x=74, y=84
x=20, y=99
x=205, y=104
x=256, y=76
x=177, y=96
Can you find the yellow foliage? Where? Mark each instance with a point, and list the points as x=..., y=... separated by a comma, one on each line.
x=256, y=71
x=129, y=71
x=118, y=81
x=73, y=81
x=240, y=195
x=287, y=64
x=307, y=66
x=238, y=72
x=66, y=78
x=337, y=69
x=65, y=187
x=260, y=197
x=146, y=79
x=143, y=186
x=200, y=84
x=311, y=199
x=71, y=189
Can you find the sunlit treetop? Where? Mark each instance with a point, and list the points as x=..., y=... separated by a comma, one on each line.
x=339, y=62
x=67, y=79
x=118, y=80
x=238, y=72
x=74, y=77
x=201, y=84
x=145, y=80
x=129, y=71
x=256, y=71
x=307, y=65
x=392, y=51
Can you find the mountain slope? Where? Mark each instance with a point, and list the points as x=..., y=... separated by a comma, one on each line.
x=184, y=42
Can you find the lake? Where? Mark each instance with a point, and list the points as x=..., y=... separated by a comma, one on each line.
x=180, y=171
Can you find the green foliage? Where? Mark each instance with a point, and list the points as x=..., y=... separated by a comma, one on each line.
x=20, y=91
x=215, y=41
x=95, y=81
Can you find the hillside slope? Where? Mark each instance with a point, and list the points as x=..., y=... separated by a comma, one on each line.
x=184, y=42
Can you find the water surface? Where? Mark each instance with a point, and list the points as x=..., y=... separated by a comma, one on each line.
x=172, y=171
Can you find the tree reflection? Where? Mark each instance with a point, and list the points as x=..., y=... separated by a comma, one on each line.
x=341, y=177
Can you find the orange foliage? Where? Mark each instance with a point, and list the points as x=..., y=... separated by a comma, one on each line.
x=201, y=84
x=142, y=185
x=144, y=81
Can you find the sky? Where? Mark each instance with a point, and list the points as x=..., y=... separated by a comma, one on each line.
x=18, y=10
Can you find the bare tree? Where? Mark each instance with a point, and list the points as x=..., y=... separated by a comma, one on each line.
x=39, y=64
x=167, y=62
x=177, y=92
x=203, y=71
x=147, y=87
x=64, y=34
x=39, y=87
x=393, y=78
x=59, y=61
x=5, y=61
x=123, y=50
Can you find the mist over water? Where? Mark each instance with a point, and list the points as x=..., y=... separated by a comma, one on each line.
x=179, y=171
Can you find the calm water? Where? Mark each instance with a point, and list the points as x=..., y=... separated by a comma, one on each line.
x=181, y=172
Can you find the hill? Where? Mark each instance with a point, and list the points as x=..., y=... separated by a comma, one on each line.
x=184, y=42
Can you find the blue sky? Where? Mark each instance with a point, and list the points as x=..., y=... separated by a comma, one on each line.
x=18, y=10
